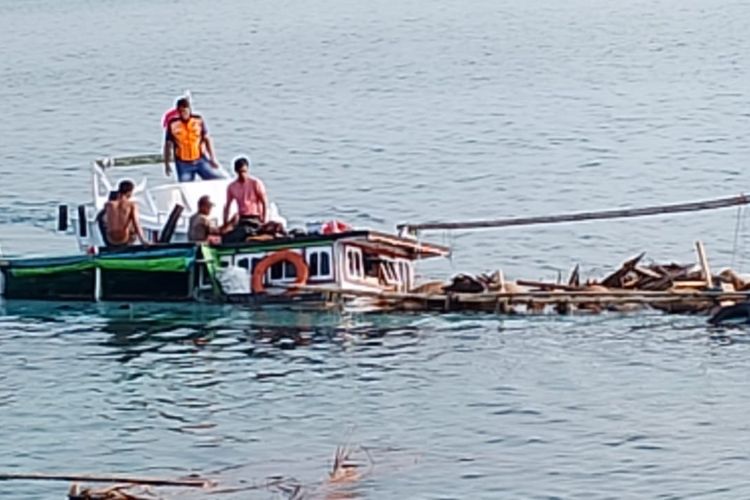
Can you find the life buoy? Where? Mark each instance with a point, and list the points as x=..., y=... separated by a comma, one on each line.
x=281, y=256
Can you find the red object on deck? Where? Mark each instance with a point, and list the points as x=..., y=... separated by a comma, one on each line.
x=335, y=226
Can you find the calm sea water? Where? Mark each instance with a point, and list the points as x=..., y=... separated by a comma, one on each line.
x=378, y=113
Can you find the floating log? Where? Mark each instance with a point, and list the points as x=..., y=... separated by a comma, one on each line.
x=582, y=216
x=85, y=478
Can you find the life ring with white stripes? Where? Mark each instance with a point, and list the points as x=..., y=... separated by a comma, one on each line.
x=264, y=265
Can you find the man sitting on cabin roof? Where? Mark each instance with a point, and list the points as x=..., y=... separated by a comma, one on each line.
x=252, y=202
x=121, y=218
x=187, y=138
x=203, y=229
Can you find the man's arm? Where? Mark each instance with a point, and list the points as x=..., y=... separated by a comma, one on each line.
x=263, y=201
x=208, y=143
x=135, y=220
x=227, y=205
x=168, y=148
x=210, y=150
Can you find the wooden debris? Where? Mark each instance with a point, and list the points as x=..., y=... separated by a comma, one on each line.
x=615, y=280
x=703, y=261
x=675, y=288
x=575, y=277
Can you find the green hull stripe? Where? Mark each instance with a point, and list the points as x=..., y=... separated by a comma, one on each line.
x=179, y=261
x=26, y=272
x=164, y=264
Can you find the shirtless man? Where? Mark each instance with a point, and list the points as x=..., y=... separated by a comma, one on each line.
x=249, y=193
x=121, y=218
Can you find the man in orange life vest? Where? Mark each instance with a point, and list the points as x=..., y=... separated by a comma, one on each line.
x=187, y=137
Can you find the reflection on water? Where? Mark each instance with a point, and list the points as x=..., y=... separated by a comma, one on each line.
x=437, y=400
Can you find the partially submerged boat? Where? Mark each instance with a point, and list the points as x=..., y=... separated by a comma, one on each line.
x=265, y=269
x=290, y=268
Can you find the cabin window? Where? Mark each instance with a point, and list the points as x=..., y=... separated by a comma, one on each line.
x=312, y=264
x=354, y=262
x=248, y=261
x=319, y=262
x=325, y=264
x=277, y=271
x=281, y=271
x=405, y=275
x=289, y=270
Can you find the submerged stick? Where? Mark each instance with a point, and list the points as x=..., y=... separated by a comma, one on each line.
x=582, y=216
x=36, y=476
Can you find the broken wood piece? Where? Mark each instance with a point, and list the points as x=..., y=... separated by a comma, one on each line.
x=575, y=277
x=703, y=261
x=689, y=284
x=614, y=280
x=644, y=271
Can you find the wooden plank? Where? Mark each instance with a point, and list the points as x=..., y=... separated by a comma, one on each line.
x=703, y=261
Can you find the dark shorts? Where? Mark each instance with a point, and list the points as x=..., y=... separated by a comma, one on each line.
x=187, y=170
x=246, y=227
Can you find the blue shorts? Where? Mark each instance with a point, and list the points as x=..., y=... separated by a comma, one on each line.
x=187, y=170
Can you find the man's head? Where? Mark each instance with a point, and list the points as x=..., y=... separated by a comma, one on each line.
x=205, y=205
x=183, y=107
x=125, y=189
x=242, y=167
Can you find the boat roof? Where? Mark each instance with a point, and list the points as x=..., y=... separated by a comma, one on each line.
x=378, y=241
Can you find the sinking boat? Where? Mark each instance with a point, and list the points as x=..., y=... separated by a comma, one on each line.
x=282, y=269
x=289, y=268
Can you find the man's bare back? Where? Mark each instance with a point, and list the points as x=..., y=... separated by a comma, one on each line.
x=119, y=219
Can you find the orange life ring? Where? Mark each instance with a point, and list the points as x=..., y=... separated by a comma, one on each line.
x=281, y=256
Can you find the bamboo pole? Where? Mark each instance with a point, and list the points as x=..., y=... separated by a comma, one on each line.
x=582, y=216
x=36, y=476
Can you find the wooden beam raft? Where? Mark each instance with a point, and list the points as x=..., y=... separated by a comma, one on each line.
x=690, y=288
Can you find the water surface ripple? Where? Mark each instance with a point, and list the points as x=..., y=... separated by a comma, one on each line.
x=378, y=114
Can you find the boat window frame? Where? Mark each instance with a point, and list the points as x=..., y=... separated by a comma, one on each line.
x=323, y=254
x=353, y=263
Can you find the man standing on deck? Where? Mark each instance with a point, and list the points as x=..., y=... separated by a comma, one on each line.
x=252, y=202
x=187, y=138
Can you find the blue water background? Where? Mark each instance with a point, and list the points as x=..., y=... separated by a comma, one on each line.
x=379, y=113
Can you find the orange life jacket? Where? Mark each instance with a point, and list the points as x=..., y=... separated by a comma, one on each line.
x=187, y=137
